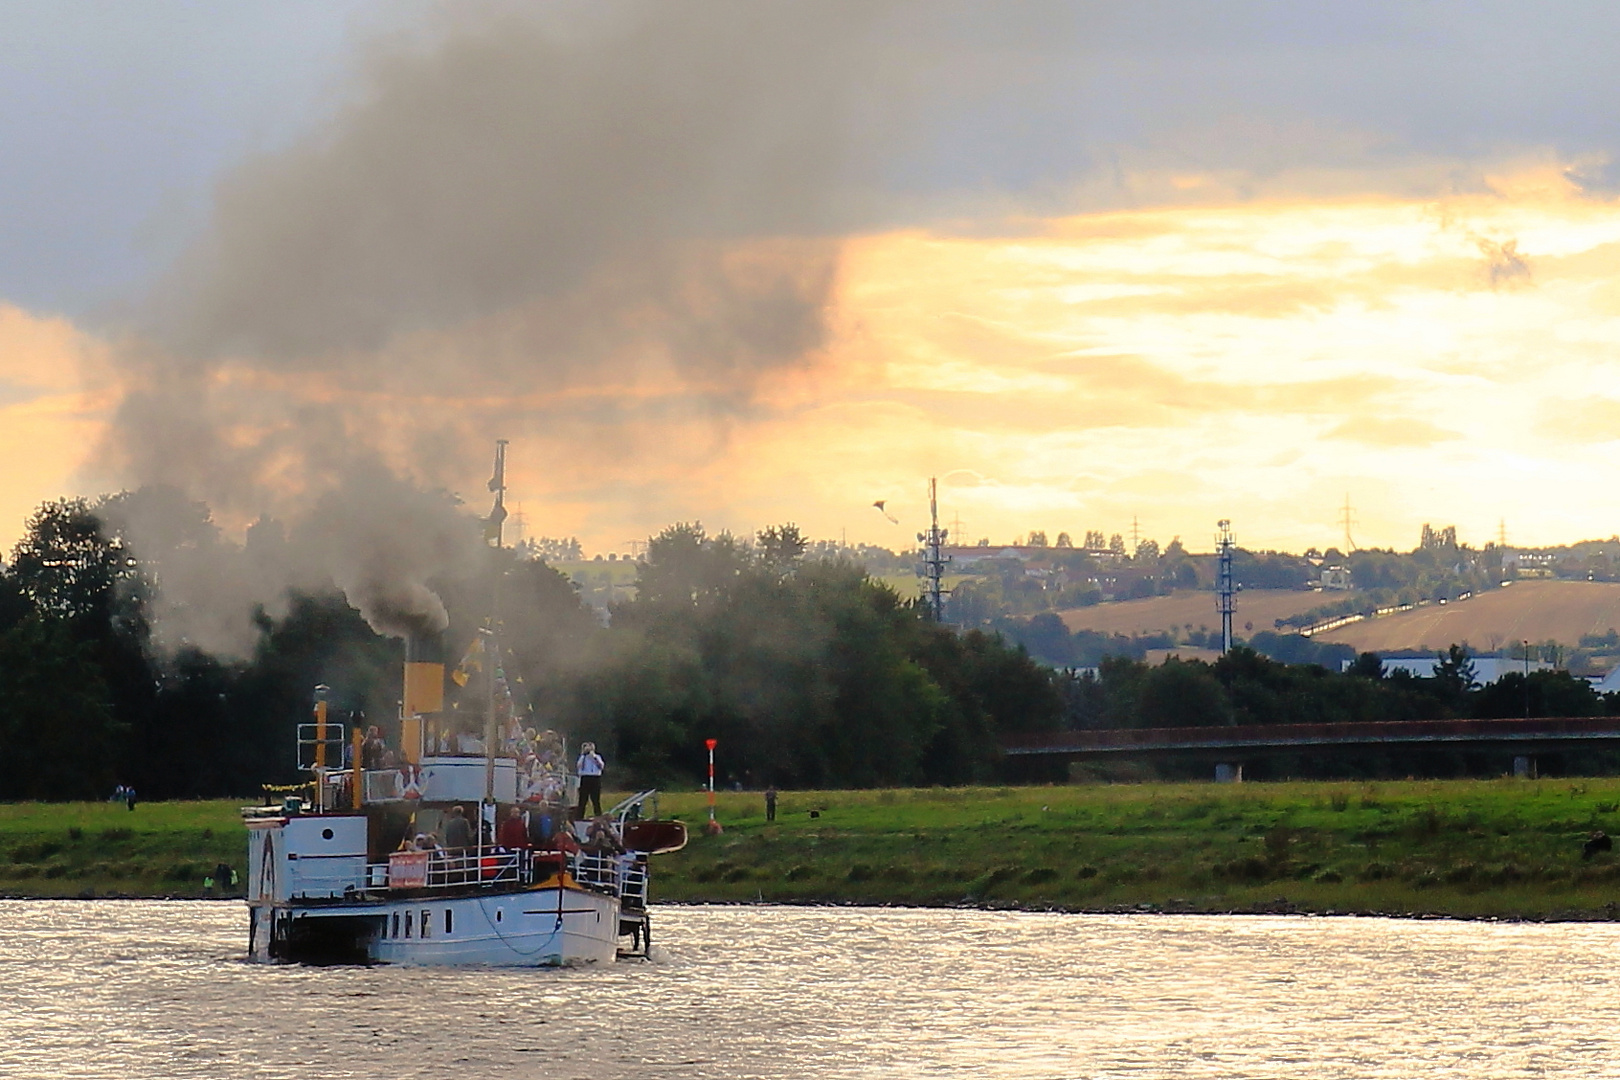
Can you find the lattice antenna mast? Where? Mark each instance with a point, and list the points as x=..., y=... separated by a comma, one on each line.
x=1347, y=518
x=934, y=561
x=1225, y=589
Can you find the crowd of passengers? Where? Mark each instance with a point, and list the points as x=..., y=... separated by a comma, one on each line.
x=540, y=828
x=541, y=757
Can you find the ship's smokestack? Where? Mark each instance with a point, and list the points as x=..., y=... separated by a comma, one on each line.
x=423, y=696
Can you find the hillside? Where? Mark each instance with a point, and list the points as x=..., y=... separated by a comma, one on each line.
x=1534, y=611
x=1257, y=609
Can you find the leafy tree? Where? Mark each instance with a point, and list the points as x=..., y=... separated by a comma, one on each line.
x=1181, y=693
x=58, y=733
x=1545, y=693
x=1367, y=665
x=1454, y=671
x=67, y=566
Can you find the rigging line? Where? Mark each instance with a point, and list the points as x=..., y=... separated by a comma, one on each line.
x=507, y=941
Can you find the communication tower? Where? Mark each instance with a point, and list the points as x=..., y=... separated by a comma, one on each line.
x=1224, y=588
x=934, y=559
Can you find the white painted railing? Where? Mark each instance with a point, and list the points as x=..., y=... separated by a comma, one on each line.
x=621, y=875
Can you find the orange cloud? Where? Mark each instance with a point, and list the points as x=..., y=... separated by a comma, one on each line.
x=48, y=419
x=1391, y=432
x=1253, y=360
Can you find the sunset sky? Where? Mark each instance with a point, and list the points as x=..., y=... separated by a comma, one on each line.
x=1187, y=263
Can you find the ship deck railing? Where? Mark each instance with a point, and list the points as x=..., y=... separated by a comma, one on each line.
x=450, y=869
x=621, y=875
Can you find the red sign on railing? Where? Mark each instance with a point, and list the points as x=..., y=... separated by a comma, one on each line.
x=408, y=870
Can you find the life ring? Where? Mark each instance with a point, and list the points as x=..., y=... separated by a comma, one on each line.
x=410, y=781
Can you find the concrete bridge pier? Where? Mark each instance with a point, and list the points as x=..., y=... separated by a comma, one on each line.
x=1229, y=773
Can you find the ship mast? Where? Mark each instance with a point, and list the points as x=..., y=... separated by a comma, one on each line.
x=492, y=646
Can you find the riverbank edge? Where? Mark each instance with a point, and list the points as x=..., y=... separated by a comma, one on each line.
x=1581, y=915
x=1466, y=850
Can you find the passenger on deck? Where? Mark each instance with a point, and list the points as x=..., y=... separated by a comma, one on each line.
x=590, y=766
x=540, y=825
x=601, y=836
x=458, y=832
x=514, y=832
x=371, y=754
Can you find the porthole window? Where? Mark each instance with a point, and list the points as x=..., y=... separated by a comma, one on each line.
x=498, y=914
x=326, y=834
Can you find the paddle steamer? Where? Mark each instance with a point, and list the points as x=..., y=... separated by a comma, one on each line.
x=360, y=873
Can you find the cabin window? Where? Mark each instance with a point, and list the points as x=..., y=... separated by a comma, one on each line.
x=408, y=924
x=396, y=925
x=447, y=924
x=499, y=913
x=427, y=923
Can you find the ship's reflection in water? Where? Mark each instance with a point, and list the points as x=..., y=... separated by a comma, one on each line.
x=150, y=989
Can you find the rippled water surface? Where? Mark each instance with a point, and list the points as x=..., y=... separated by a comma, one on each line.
x=157, y=989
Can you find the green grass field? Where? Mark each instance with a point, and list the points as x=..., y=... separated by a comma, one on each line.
x=1468, y=848
x=1507, y=848
x=103, y=849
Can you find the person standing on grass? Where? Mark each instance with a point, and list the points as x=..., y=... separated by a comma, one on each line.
x=770, y=803
x=129, y=796
x=590, y=767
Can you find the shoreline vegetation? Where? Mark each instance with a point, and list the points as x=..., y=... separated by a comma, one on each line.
x=1458, y=848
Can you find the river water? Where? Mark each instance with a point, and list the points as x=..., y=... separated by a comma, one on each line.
x=132, y=990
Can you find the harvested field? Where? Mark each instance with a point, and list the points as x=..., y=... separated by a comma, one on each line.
x=1257, y=609
x=1525, y=611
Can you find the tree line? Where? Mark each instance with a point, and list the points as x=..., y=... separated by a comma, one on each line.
x=809, y=672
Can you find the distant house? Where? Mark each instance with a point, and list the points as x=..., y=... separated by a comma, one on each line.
x=1487, y=669
x=1530, y=564
x=1336, y=579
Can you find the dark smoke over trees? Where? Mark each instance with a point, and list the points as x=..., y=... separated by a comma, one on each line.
x=807, y=670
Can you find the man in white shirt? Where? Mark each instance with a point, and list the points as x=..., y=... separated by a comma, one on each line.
x=590, y=779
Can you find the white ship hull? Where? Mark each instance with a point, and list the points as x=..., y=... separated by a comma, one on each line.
x=531, y=928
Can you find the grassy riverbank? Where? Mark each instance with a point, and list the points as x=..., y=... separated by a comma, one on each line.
x=1467, y=848
x=104, y=849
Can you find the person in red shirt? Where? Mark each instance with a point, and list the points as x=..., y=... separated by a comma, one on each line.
x=514, y=831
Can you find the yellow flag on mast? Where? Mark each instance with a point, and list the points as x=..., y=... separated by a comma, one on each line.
x=473, y=661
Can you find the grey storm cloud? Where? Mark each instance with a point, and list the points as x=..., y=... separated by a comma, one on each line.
x=508, y=200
